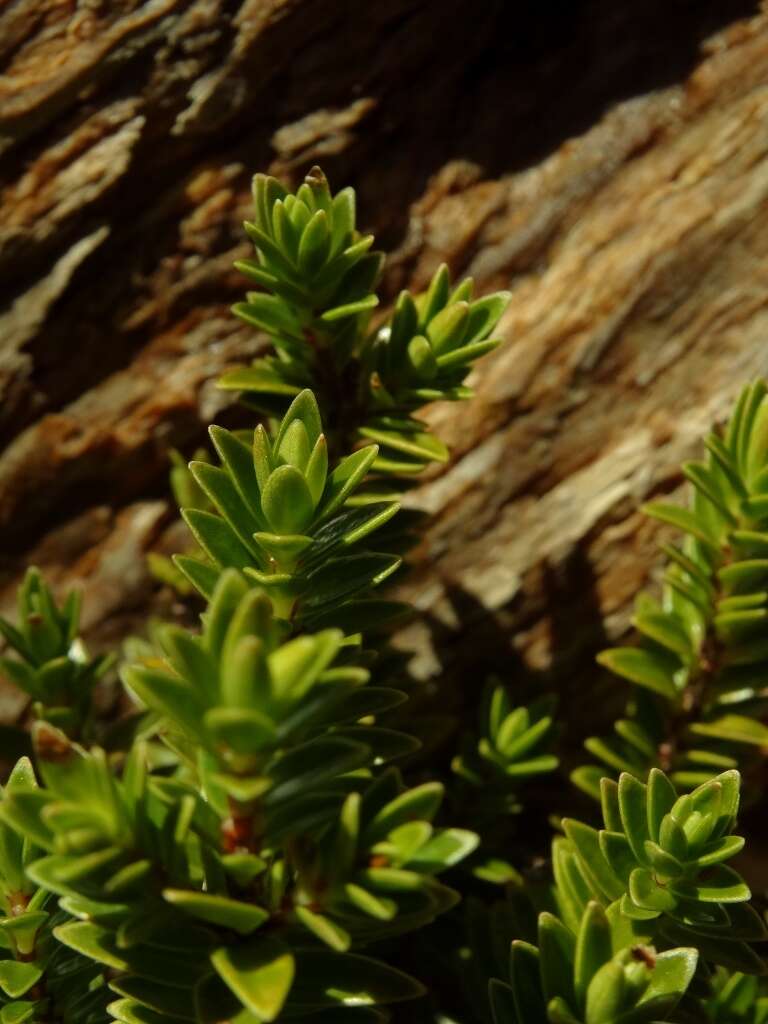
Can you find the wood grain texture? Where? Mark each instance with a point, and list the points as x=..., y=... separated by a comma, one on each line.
x=607, y=163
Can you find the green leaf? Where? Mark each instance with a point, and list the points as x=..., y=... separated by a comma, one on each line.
x=592, y=862
x=18, y=1013
x=684, y=519
x=720, y=884
x=748, y=575
x=163, y=1002
x=449, y=847
x=340, y=578
x=515, y=747
x=305, y=409
x=342, y=218
x=606, y=995
x=286, y=501
x=446, y=330
x=706, y=482
x=325, y=979
x=16, y=977
x=241, y=917
x=349, y=473
x=316, y=472
x=421, y=445
x=671, y=975
x=269, y=313
x=557, y=949
x=466, y=354
x=266, y=192
x=385, y=744
x=532, y=766
x=617, y=851
x=734, y=728
x=526, y=985
x=558, y=1012
x=648, y=894
x=188, y=655
x=297, y=664
x=437, y=295
x=268, y=281
x=201, y=575
x=328, y=931
x=23, y=929
x=719, y=850
x=260, y=974
x=664, y=864
x=169, y=694
x=314, y=763
x=609, y=804
x=237, y=457
x=22, y=809
x=92, y=941
x=350, y=309
x=285, y=547
x=661, y=797
x=484, y=314
x=374, y=906
x=634, y=818
x=636, y=737
x=315, y=243
x=646, y=668
x=593, y=949
x=260, y=377
x=418, y=804
x=294, y=447
x=217, y=538
x=666, y=630
x=421, y=358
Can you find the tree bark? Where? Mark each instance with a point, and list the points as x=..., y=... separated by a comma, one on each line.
x=607, y=163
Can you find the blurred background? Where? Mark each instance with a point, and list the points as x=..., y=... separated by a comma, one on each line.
x=607, y=162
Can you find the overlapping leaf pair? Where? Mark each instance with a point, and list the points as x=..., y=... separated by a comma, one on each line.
x=702, y=667
x=317, y=280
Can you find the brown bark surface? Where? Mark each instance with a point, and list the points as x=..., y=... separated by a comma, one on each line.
x=606, y=162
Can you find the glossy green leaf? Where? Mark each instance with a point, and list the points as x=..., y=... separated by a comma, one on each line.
x=346, y=477
x=632, y=805
x=259, y=973
x=683, y=519
x=241, y=917
x=327, y=979
x=646, y=668
x=557, y=950
x=17, y=978
x=596, y=869
x=287, y=502
x=593, y=949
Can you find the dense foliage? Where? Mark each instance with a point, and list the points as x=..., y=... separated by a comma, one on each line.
x=256, y=840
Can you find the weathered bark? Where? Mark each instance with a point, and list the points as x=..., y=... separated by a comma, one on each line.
x=608, y=163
